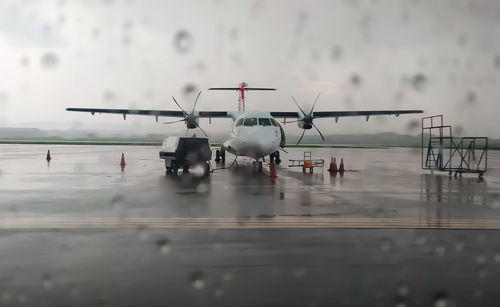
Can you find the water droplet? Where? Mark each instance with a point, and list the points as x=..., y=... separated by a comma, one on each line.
x=385, y=247
x=46, y=281
x=413, y=125
x=418, y=82
x=421, y=240
x=117, y=202
x=227, y=276
x=478, y=293
x=218, y=291
x=300, y=272
x=49, y=60
x=496, y=61
x=108, y=96
x=6, y=296
x=336, y=53
x=403, y=290
x=25, y=61
x=189, y=89
x=127, y=24
x=440, y=299
x=471, y=98
x=74, y=292
x=355, y=79
x=183, y=41
x=126, y=40
x=497, y=258
x=459, y=246
x=440, y=250
x=458, y=130
x=197, y=280
x=143, y=233
x=163, y=245
x=481, y=259
x=22, y=298
x=233, y=34
x=482, y=274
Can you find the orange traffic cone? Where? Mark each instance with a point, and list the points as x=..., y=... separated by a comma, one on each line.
x=272, y=170
x=48, y=156
x=341, y=167
x=122, y=163
x=333, y=165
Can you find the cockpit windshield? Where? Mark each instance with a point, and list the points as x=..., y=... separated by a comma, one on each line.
x=264, y=122
x=250, y=121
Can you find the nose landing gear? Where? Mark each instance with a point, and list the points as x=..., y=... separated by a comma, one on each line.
x=220, y=155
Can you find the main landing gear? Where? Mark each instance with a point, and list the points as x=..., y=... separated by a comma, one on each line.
x=275, y=157
x=220, y=155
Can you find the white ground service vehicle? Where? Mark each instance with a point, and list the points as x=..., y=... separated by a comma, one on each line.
x=185, y=152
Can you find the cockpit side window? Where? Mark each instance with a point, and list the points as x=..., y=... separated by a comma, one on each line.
x=275, y=124
x=264, y=122
x=240, y=122
x=250, y=122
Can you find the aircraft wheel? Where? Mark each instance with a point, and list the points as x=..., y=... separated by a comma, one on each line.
x=217, y=156
x=254, y=166
x=223, y=155
x=259, y=169
x=271, y=158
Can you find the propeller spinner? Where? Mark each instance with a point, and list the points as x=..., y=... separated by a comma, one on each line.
x=305, y=121
x=190, y=118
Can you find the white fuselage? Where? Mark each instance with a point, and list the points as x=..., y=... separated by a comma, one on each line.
x=254, y=134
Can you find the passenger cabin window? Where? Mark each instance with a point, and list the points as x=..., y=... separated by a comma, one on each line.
x=275, y=124
x=264, y=122
x=250, y=122
x=240, y=122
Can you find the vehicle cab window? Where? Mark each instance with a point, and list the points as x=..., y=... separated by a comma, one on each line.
x=250, y=122
x=264, y=122
x=240, y=122
x=275, y=124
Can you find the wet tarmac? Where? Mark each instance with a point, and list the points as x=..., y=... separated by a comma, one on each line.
x=81, y=231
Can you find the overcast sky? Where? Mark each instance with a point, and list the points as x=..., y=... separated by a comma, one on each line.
x=440, y=56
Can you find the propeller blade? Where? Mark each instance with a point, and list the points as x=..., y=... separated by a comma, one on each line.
x=320, y=134
x=177, y=121
x=185, y=113
x=303, y=113
x=197, y=125
x=196, y=101
x=314, y=104
x=303, y=131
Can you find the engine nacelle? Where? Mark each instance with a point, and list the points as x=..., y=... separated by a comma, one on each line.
x=192, y=121
x=304, y=124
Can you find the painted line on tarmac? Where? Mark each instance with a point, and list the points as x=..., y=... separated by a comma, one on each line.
x=246, y=223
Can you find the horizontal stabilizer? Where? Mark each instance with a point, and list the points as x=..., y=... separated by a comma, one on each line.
x=238, y=89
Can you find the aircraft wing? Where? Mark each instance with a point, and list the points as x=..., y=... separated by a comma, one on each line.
x=156, y=113
x=337, y=114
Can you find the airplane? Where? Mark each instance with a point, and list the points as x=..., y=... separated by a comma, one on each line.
x=255, y=134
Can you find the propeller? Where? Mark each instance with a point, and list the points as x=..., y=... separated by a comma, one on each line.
x=189, y=118
x=306, y=122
